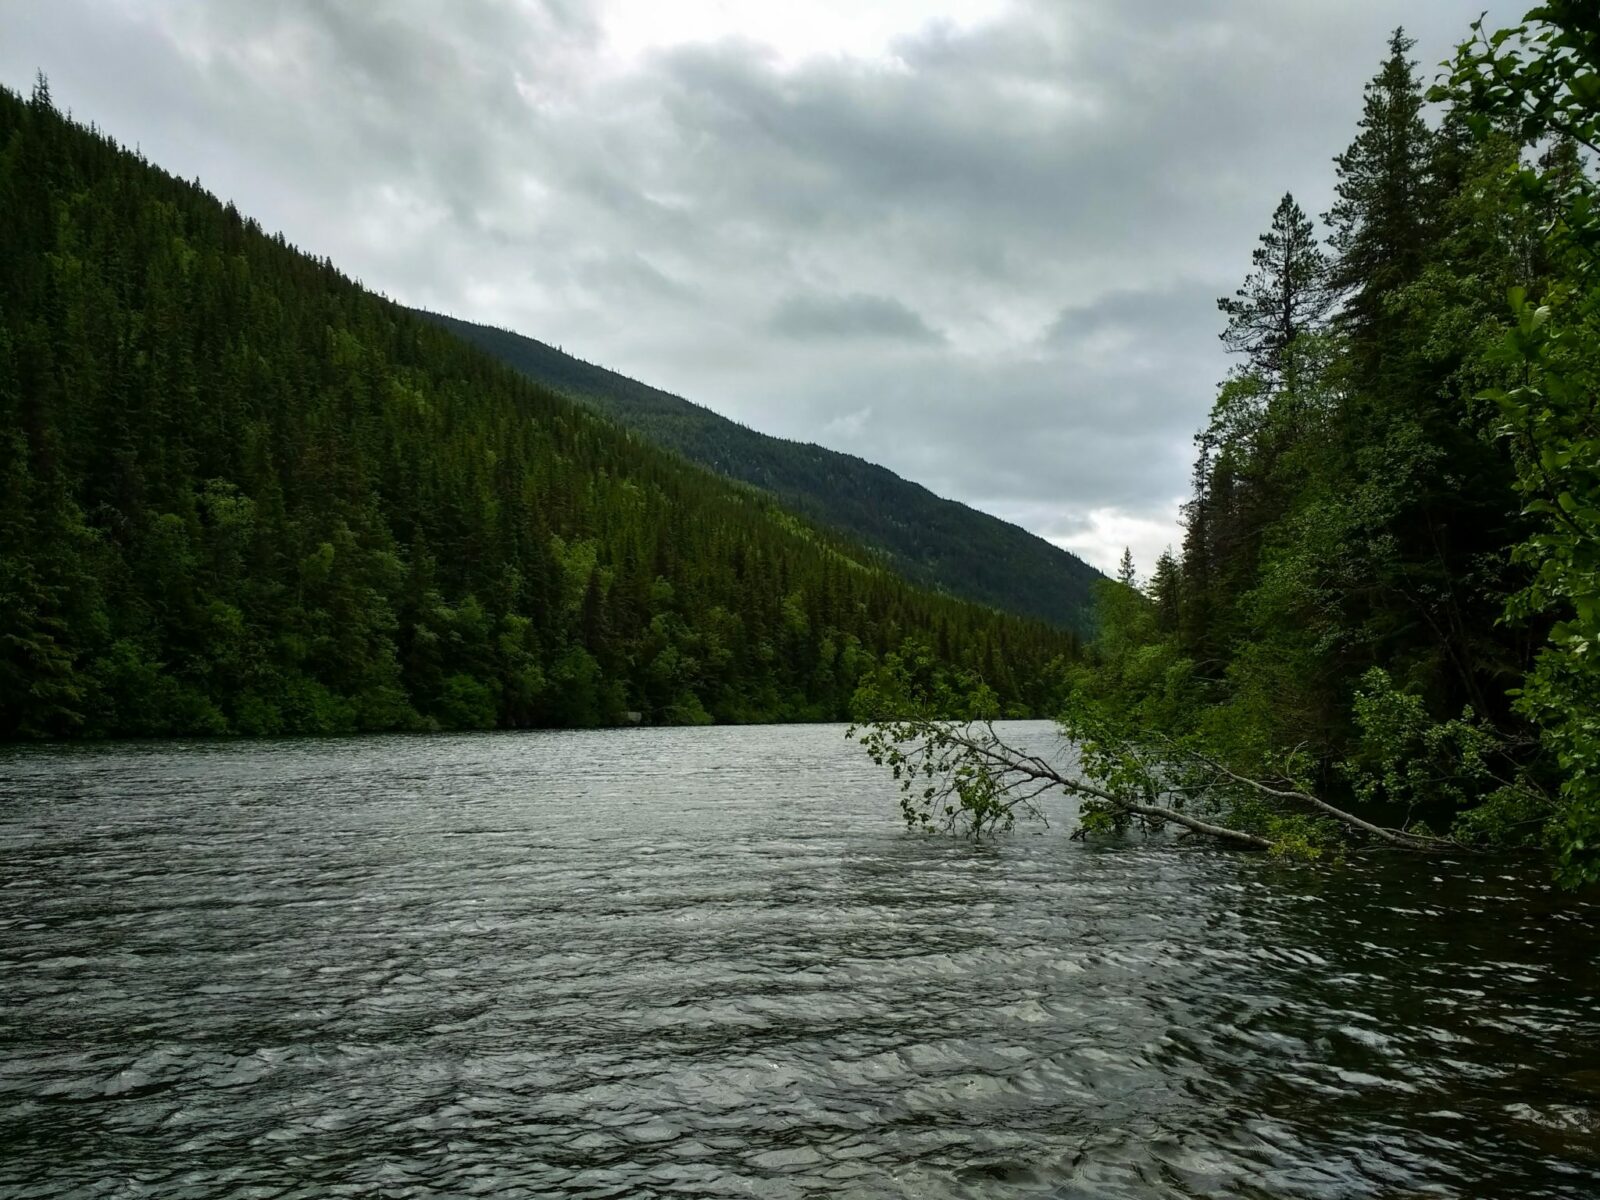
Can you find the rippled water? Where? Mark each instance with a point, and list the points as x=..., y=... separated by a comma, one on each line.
x=710, y=963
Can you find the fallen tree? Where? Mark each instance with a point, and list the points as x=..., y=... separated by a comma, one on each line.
x=964, y=777
x=961, y=775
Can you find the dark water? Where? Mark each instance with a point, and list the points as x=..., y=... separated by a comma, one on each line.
x=709, y=963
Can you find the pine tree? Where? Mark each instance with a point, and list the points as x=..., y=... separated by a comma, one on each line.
x=1380, y=219
x=1286, y=295
x=1163, y=590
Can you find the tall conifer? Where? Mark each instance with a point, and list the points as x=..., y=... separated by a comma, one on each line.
x=1379, y=219
x=1285, y=295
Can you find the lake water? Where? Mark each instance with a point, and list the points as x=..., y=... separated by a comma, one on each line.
x=701, y=963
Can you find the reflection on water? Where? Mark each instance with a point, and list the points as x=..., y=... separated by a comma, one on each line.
x=710, y=963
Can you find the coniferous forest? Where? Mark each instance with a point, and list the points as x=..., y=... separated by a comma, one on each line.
x=243, y=495
x=932, y=541
x=1388, y=588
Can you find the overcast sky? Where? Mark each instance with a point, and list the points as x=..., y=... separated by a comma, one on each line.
x=978, y=241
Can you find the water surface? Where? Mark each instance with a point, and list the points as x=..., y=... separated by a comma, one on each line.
x=703, y=963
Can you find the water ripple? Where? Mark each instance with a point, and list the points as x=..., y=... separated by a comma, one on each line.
x=703, y=963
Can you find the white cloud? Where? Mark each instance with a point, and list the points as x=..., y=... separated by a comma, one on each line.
x=847, y=427
x=1106, y=532
x=792, y=31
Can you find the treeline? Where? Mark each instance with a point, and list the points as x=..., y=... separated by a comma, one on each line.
x=240, y=494
x=1390, y=570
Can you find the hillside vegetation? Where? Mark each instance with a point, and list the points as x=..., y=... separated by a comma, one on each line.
x=238, y=493
x=934, y=541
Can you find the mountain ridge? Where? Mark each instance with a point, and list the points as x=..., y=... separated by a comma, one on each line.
x=929, y=539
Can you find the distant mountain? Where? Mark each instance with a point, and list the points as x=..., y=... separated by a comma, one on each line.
x=936, y=542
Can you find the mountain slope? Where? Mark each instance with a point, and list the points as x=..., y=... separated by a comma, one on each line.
x=934, y=541
x=240, y=494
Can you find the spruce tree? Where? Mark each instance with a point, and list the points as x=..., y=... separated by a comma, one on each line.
x=1164, y=592
x=1126, y=574
x=1285, y=295
x=1379, y=220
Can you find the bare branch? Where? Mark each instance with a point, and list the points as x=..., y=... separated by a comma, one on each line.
x=1011, y=768
x=1394, y=837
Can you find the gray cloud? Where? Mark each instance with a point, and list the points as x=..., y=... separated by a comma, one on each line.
x=1008, y=236
x=852, y=317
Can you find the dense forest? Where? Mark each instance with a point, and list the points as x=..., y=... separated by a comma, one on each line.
x=240, y=494
x=935, y=542
x=1389, y=583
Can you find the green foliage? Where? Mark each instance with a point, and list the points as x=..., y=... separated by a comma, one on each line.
x=1462, y=772
x=1285, y=298
x=1365, y=523
x=942, y=784
x=239, y=494
x=1386, y=616
x=1542, y=80
x=935, y=542
x=1553, y=419
x=467, y=703
x=913, y=683
x=1359, y=522
x=961, y=775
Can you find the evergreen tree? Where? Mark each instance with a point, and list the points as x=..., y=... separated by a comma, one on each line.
x=1539, y=81
x=1165, y=592
x=1379, y=218
x=1389, y=595
x=1285, y=296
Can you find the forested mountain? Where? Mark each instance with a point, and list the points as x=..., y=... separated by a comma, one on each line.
x=238, y=493
x=934, y=541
